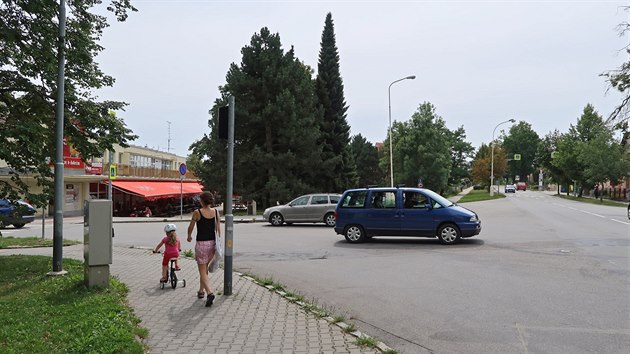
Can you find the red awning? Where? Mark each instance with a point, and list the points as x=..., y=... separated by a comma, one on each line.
x=155, y=190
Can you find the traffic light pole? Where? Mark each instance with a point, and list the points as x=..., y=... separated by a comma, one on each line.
x=229, y=218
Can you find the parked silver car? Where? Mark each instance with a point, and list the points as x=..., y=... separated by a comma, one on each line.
x=307, y=208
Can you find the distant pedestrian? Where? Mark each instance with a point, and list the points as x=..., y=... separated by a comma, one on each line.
x=171, y=249
x=208, y=222
x=597, y=192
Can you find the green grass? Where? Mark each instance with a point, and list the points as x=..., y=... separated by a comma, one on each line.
x=56, y=314
x=6, y=242
x=366, y=341
x=477, y=195
x=593, y=200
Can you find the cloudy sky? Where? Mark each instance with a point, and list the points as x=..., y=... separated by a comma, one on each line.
x=479, y=62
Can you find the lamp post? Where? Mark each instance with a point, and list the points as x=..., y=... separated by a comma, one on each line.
x=492, y=158
x=391, y=154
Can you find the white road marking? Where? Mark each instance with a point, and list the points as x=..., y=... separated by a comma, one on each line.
x=621, y=222
x=588, y=212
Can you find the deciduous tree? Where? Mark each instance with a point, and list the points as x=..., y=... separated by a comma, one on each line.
x=28, y=89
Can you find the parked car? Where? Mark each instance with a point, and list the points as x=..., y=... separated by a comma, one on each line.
x=17, y=213
x=367, y=212
x=509, y=188
x=628, y=211
x=521, y=186
x=307, y=208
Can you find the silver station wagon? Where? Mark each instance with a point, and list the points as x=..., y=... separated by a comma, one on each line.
x=310, y=208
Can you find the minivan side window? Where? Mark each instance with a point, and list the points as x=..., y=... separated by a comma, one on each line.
x=381, y=200
x=354, y=199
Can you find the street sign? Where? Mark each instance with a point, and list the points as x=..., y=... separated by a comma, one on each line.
x=112, y=171
x=554, y=154
x=182, y=169
x=517, y=157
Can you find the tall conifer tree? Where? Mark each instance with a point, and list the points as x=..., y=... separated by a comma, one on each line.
x=338, y=171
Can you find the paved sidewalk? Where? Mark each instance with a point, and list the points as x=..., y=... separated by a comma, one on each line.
x=251, y=320
x=459, y=195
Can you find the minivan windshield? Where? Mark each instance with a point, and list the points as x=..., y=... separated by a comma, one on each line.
x=438, y=198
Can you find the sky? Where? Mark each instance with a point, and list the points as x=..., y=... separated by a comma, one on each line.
x=478, y=62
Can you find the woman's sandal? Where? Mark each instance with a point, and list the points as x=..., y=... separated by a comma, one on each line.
x=200, y=294
x=164, y=280
x=210, y=300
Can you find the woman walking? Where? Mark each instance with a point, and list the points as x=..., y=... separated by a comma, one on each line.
x=208, y=224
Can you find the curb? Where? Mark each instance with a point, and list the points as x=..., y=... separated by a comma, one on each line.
x=307, y=308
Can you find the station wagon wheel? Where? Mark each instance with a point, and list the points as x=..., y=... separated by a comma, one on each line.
x=18, y=226
x=276, y=219
x=448, y=234
x=329, y=219
x=354, y=234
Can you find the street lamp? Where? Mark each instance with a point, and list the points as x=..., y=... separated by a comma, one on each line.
x=492, y=158
x=391, y=159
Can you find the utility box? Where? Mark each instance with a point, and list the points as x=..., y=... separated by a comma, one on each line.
x=251, y=208
x=97, y=242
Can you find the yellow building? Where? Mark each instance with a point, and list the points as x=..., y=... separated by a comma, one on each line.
x=144, y=177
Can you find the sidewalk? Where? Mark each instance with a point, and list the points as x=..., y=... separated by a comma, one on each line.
x=251, y=320
x=459, y=195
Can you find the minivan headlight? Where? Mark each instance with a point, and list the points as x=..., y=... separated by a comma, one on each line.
x=474, y=218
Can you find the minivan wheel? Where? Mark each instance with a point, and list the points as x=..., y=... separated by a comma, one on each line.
x=276, y=219
x=448, y=234
x=354, y=234
x=329, y=219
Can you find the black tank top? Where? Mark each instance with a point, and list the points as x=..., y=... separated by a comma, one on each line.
x=205, y=228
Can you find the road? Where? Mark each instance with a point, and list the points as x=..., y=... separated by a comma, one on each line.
x=546, y=275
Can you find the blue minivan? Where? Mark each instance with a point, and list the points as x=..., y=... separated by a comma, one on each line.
x=401, y=211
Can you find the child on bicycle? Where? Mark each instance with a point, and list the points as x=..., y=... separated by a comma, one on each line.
x=171, y=249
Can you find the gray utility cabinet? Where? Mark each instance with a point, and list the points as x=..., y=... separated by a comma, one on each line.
x=97, y=241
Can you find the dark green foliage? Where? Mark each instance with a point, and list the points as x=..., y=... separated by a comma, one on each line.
x=521, y=139
x=547, y=146
x=422, y=149
x=366, y=158
x=588, y=154
x=276, y=155
x=337, y=172
x=461, y=151
x=28, y=85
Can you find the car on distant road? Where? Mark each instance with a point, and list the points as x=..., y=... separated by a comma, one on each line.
x=18, y=213
x=509, y=188
x=629, y=211
x=310, y=208
x=418, y=212
x=521, y=186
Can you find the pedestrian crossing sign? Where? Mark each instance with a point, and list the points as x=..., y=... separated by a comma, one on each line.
x=517, y=157
x=112, y=171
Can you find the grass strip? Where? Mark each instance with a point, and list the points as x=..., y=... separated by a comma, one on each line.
x=593, y=200
x=10, y=241
x=477, y=195
x=56, y=314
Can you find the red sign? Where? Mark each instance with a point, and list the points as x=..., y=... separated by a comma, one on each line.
x=71, y=157
x=95, y=168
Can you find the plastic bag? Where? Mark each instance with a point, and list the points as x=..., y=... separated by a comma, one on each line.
x=218, y=255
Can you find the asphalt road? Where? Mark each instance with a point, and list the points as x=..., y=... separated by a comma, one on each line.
x=545, y=275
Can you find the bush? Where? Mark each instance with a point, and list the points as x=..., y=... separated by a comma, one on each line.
x=478, y=187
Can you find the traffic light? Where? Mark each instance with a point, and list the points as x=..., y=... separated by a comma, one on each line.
x=223, y=122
